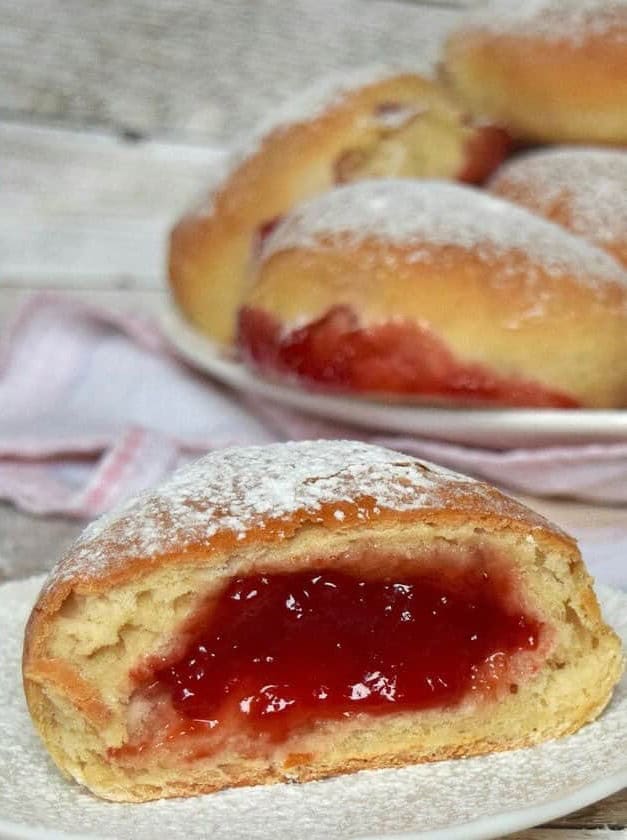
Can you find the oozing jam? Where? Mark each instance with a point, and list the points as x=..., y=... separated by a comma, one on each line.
x=274, y=651
x=485, y=150
x=393, y=358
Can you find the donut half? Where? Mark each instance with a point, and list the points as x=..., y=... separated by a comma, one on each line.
x=301, y=610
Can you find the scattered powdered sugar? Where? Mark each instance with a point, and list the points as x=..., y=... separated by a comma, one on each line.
x=35, y=799
x=235, y=490
x=552, y=20
x=592, y=182
x=439, y=213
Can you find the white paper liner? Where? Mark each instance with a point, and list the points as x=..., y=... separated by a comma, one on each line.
x=35, y=798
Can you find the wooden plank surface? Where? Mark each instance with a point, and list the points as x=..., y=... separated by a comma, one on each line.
x=608, y=813
x=190, y=69
x=86, y=206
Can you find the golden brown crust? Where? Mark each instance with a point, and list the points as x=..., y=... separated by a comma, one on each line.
x=399, y=125
x=154, y=532
x=543, y=86
x=123, y=590
x=312, y=767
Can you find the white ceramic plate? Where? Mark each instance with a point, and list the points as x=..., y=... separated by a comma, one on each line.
x=469, y=799
x=493, y=429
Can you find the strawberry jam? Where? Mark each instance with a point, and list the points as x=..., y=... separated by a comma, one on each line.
x=392, y=358
x=273, y=652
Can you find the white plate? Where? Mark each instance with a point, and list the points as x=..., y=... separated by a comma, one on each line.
x=467, y=799
x=493, y=429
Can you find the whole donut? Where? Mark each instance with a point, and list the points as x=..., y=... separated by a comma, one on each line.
x=374, y=123
x=423, y=290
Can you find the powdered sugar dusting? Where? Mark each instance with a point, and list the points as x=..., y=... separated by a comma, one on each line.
x=552, y=20
x=322, y=95
x=236, y=490
x=592, y=183
x=307, y=105
x=445, y=795
x=439, y=213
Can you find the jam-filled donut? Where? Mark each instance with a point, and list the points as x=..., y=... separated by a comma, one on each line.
x=549, y=70
x=432, y=291
x=584, y=190
x=374, y=123
x=300, y=610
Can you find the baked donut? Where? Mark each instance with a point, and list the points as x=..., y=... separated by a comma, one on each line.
x=437, y=292
x=548, y=70
x=299, y=610
x=376, y=122
x=584, y=190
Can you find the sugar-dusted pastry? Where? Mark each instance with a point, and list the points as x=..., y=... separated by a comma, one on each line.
x=376, y=122
x=299, y=610
x=582, y=189
x=549, y=70
x=430, y=291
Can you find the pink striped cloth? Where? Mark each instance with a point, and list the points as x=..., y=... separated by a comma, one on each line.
x=94, y=406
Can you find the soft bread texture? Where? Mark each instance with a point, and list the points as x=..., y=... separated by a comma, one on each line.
x=490, y=282
x=127, y=586
x=549, y=71
x=377, y=122
x=582, y=189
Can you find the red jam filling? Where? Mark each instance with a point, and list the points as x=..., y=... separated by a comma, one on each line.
x=485, y=150
x=393, y=358
x=274, y=652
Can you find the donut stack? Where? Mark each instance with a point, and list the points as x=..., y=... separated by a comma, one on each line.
x=396, y=237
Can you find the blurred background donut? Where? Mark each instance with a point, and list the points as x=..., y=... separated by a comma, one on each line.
x=549, y=70
x=438, y=292
x=374, y=123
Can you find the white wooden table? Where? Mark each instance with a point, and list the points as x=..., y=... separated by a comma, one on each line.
x=113, y=117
